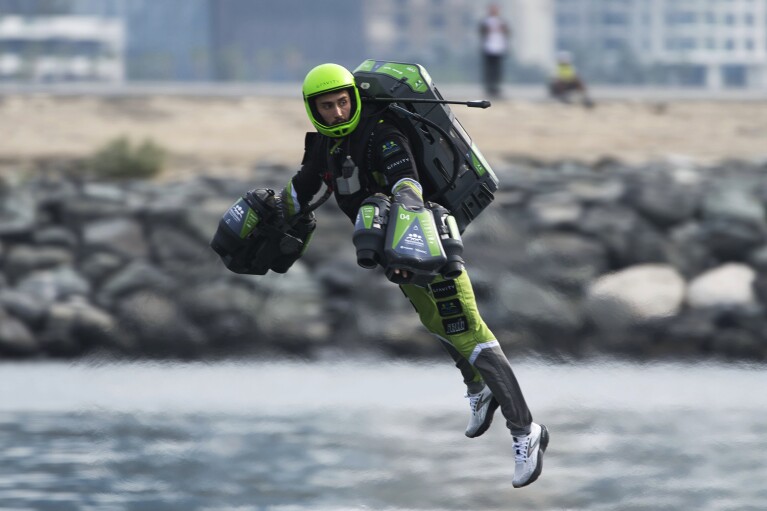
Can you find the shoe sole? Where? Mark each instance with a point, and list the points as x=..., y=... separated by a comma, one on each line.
x=539, y=466
x=491, y=408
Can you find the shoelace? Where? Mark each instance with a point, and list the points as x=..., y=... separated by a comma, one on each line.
x=473, y=402
x=521, y=448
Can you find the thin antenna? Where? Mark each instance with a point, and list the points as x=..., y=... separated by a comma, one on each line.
x=479, y=103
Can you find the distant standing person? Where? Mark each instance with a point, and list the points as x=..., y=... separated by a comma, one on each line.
x=495, y=34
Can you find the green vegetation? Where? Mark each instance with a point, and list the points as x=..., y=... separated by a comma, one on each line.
x=119, y=159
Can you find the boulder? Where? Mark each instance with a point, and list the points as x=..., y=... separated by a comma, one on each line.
x=339, y=275
x=76, y=326
x=687, y=250
x=567, y=261
x=54, y=285
x=202, y=220
x=733, y=222
x=123, y=236
x=158, y=326
x=293, y=308
x=81, y=209
x=732, y=239
x=226, y=311
x=23, y=259
x=605, y=190
x=536, y=306
x=758, y=259
x=55, y=236
x=171, y=246
x=664, y=202
x=728, y=285
x=555, y=210
x=137, y=275
x=635, y=295
x=15, y=338
x=99, y=265
x=628, y=238
x=18, y=212
x=23, y=306
x=382, y=316
x=733, y=203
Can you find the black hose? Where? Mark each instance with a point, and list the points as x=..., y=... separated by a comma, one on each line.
x=457, y=156
x=319, y=202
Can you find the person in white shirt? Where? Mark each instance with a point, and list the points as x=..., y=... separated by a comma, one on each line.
x=495, y=34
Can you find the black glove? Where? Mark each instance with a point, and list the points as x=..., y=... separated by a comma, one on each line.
x=408, y=192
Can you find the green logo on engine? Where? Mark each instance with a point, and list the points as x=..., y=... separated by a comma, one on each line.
x=368, y=213
x=250, y=223
x=415, y=233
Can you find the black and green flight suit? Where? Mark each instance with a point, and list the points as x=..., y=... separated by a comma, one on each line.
x=447, y=308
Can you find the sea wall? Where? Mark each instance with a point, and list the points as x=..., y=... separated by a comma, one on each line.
x=662, y=260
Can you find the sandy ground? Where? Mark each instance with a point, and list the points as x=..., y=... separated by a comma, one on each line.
x=212, y=134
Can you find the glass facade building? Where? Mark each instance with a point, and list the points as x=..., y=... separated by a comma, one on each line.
x=711, y=43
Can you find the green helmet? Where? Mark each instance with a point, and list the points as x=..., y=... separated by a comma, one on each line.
x=329, y=78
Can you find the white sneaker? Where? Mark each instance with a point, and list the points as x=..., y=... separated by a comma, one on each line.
x=528, y=455
x=483, y=406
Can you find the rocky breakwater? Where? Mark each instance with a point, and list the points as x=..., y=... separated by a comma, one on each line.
x=662, y=260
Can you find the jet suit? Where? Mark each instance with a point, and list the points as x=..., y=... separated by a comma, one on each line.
x=382, y=156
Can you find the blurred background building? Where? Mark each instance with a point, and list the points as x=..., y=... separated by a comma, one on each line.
x=703, y=43
x=48, y=42
x=711, y=43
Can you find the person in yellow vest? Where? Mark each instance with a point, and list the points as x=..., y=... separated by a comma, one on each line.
x=566, y=83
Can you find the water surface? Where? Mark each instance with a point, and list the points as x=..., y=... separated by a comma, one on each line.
x=372, y=435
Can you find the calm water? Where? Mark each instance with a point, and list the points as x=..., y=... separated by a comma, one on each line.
x=368, y=435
